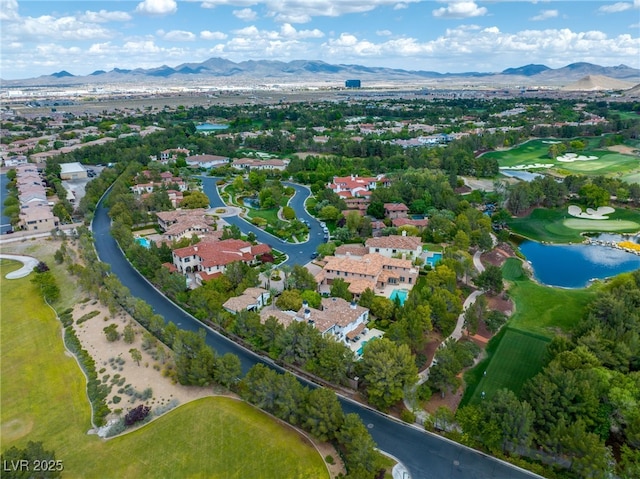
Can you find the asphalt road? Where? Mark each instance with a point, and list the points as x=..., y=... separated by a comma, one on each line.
x=424, y=455
x=298, y=253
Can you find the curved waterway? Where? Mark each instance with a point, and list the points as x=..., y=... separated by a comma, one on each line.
x=575, y=266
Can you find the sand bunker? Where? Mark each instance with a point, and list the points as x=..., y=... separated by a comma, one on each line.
x=591, y=214
x=527, y=167
x=551, y=142
x=571, y=157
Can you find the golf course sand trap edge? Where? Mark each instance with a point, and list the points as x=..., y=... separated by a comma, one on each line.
x=571, y=157
x=591, y=214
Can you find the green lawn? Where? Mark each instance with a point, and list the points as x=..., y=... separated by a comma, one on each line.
x=44, y=399
x=558, y=226
x=543, y=310
x=536, y=151
x=517, y=353
x=517, y=357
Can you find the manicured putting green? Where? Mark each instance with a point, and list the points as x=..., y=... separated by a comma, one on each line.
x=601, y=225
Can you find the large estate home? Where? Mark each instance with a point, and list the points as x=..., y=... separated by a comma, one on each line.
x=395, y=246
x=165, y=179
x=379, y=273
x=335, y=317
x=206, y=161
x=249, y=164
x=354, y=185
x=209, y=258
x=178, y=224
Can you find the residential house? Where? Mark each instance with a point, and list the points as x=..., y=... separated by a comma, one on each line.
x=354, y=185
x=179, y=224
x=206, y=161
x=395, y=210
x=336, y=317
x=209, y=259
x=15, y=160
x=172, y=154
x=379, y=273
x=249, y=164
x=251, y=299
x=395, y=246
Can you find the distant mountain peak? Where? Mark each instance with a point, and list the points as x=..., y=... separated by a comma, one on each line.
x=62, y=74
x=527, y=70
x=306, y=70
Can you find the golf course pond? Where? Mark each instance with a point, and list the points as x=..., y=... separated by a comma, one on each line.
x=576, y=265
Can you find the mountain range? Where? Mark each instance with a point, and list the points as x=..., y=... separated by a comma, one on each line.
x=299, y=71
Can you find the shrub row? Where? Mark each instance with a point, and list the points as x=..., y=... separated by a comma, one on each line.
x=96, y=391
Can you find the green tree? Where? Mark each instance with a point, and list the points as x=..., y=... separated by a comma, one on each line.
x=361, y=458
x=340, y=289
x=136, y=355
x=302, y=279
x=594, y=196
x=312, y=297
x=46, y=281
x=490, y=279
x=323, y=415
x=228, y=369
x=111, y=332
x=32, y=453
x=195, y=360
x=387, y=369
x=289, y=300
x=129, y=334
x=196, y=199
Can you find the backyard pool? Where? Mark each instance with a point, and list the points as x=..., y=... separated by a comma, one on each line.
x=144, y=242
x=433, y=259
x=401, y=294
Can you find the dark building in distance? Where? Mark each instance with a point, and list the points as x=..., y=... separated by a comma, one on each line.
x=352, y=84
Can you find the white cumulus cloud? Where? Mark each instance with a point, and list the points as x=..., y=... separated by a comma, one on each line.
x=618, y=7
x=157, y=7
x=460, y=9
x=104, y=16
x=245, y=14
x=178, y=36
x=545, y=15
x=208, y=35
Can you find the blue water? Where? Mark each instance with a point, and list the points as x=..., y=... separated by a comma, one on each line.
x=573, y=266
x=433, y=260
x=144, y=242
x=4, y=220
x=401, y=294
x=211, y=126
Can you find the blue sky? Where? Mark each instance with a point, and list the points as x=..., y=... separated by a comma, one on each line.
x=43, y=37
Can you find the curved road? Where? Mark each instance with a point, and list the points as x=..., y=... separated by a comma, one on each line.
x=424, y=455
x=298, y=253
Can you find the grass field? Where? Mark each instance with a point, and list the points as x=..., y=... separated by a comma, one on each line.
x=43, y=399
x=517, y=353
x=536, y=151
x=517, y=357
x=557, y=226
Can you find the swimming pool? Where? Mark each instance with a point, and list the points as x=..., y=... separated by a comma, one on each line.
x=434, y=259
x=144, y=242
x=401, y=294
